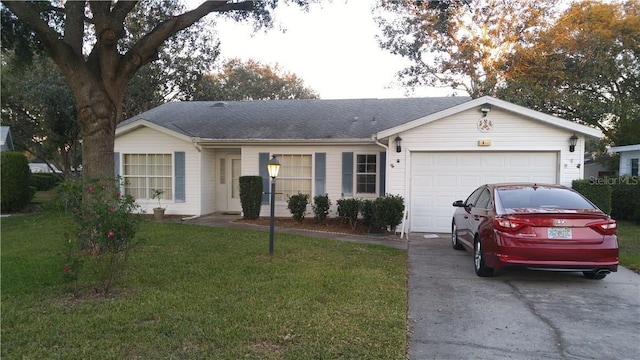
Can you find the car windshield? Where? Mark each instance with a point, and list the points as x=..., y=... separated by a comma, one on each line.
x=541, y=197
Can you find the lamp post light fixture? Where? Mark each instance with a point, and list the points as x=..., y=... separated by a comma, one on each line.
x=398, y=141
x=573, y=140
x=273, y=167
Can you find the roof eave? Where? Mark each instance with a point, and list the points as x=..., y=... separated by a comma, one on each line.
x=549, y=119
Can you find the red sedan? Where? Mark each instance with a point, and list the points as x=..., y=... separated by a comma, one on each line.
x=538, y=226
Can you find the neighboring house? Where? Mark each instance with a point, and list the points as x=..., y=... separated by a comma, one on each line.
x=431, y=151
x=6, y=141
x=629, y=159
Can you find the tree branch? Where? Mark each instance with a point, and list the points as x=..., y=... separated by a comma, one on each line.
x=146, y=49
x=74, y=25
x=61, y=53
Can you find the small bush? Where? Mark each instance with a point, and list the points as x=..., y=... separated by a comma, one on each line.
x=297, y=205
x=348, y=210
x=68, y=195
x=390, y=211
x=251, y=196
x=321, y=205
x=14, y=182
x=383, y=213
x=106, y=225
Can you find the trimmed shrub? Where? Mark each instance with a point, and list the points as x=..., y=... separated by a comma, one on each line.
x=348, y=210
x=321, y=205
x=383, y=213
x=625, y=199
x=390, y=211
x=251, y=196
x=15, y=192
x=297, y=205
x=44, y=181
x=597, y=192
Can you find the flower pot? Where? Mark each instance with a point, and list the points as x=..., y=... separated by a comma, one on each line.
x=158, y=214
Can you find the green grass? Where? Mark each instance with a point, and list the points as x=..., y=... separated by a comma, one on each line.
x=201, y=292
x=629, y=242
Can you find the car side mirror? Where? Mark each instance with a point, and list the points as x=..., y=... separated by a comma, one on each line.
x=458, y=203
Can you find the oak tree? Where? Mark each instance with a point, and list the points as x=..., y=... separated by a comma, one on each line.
x=98, y=67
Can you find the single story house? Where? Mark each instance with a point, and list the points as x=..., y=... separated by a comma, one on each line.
x=629, y=159
x=430, y=151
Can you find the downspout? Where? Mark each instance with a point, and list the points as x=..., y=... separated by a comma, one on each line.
x=386, y=150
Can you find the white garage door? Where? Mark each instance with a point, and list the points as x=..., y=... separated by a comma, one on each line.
x=440, y=178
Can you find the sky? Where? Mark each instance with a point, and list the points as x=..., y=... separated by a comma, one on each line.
x=332, y=48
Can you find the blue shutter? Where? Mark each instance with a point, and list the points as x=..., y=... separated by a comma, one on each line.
x=347, y=174
x=179, y=170
x=383, y=173
x=263, y=159
x=321, y=173
x=116, y=164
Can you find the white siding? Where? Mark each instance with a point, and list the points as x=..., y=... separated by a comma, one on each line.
x=147, y=141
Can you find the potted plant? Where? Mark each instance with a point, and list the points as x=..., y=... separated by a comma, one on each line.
x=158, y=212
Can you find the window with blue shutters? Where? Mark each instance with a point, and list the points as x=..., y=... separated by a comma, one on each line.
x=144, y=173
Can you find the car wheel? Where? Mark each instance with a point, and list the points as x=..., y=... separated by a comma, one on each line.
x=454, y=237
x=482, y=269
x=593, y=276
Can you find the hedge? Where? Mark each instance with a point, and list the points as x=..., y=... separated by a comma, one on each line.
x=15, y=192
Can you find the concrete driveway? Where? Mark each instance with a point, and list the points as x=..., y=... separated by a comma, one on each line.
x=518, y=314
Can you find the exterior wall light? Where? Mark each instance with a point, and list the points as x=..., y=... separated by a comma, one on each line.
x=398, y=141
x=573, y=140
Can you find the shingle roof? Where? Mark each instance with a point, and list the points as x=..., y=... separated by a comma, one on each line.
x=292, y=119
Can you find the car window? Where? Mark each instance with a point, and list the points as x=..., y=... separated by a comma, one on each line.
x=528, y=197
x=484, y=200
x=473, y=198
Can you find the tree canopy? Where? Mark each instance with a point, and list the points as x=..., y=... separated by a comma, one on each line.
x=251, y=80
x=461, y=44
x=585, y=68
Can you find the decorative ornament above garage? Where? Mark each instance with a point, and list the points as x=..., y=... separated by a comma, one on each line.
x=485, y=125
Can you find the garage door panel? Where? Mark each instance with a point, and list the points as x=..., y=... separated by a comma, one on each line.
x=495, y=179
x=438, y=179
x=446, y=181
x=469, y=180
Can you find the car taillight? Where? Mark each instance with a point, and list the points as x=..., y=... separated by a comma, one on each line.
x=606, y=227
x=507, y=224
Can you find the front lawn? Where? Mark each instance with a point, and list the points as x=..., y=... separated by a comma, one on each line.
x=200, y=292
x=629, y=242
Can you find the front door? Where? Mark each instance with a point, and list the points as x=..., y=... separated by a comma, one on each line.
x=233, y=192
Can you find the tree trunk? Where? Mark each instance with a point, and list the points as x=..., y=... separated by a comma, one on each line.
x=97, y=116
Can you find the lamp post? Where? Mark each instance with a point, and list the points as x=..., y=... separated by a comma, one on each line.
x=273, y=167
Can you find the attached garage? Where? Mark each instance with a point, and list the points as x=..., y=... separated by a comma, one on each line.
x=444, y=156
x=439, y=178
